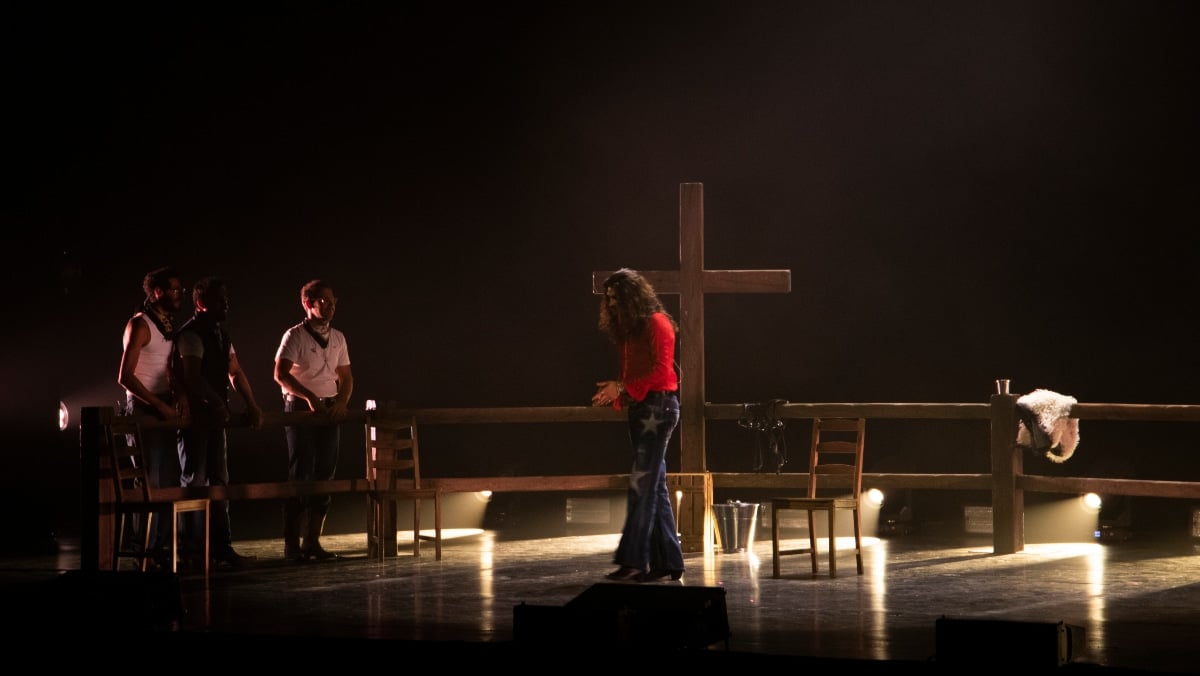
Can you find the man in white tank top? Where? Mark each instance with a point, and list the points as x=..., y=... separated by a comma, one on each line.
x=145, y=375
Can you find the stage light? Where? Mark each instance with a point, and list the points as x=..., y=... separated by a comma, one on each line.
x=977, y=519
x=370, y=404
x=874, y=497
x=892, y=512
x=1090, y=502
x=64, y=416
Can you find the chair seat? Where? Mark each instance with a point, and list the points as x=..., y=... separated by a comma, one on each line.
x=816, y=504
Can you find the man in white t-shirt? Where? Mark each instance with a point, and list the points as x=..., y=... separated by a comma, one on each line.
x=312, y=366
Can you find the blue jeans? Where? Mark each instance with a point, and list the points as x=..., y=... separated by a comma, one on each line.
x=649, y=540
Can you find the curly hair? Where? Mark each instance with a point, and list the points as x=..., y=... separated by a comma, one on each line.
x=634, y=301
x=158, y=278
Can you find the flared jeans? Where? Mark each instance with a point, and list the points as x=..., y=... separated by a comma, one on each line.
x=649, y=540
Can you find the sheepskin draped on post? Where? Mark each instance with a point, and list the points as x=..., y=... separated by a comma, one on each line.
x=1044, y=424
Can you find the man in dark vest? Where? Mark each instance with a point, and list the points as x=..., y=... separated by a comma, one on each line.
x=207, y=366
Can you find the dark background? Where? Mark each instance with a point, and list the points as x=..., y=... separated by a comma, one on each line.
x=962, y=191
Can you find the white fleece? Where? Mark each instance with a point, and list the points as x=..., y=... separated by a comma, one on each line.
x=1055, y=429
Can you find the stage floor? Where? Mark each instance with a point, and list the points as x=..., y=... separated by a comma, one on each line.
x=1136, y=604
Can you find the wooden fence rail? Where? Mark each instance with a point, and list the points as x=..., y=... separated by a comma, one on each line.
x=1007, y=481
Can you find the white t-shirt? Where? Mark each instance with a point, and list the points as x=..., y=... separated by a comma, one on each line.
x=314, y=366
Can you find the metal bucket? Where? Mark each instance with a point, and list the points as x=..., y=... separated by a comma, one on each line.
x=736, y=521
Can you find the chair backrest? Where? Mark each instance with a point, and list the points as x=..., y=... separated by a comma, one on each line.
x=836, y=450
x=393, y=455
x=127, y=462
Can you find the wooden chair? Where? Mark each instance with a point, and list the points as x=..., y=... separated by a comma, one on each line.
x=836, y=450
x=394, y=473
x=135, y=498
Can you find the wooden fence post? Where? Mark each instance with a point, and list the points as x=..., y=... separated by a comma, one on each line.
x=95, y=490
x=1008, y=501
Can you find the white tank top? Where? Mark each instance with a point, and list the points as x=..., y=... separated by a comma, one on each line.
x=152, y=366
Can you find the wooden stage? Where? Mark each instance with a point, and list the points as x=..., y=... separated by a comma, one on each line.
x=1127, y=607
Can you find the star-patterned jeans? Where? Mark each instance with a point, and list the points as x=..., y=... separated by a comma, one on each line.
x=649, y=540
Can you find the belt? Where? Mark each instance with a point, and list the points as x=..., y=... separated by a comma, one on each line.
x=291, y=398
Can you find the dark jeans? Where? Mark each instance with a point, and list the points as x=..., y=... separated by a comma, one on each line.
x=204, y=461
x=160, y=452
x=312, y=456
x=649, y=540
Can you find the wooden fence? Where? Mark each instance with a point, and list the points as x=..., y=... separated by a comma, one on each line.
x=1007, y=481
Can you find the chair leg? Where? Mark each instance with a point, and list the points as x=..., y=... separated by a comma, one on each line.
x=812, y=541
x=380, y=506
x=774, y=541
x=437, y=527
x=376, y=527
x=173, y=534
x=370, y=526
x=144, y=561
x=832, y=542
x=373, y=528
x=416, y=526
x=207, y=536
x=858, y=540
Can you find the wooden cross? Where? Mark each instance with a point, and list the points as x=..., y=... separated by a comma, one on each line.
x=691, y=282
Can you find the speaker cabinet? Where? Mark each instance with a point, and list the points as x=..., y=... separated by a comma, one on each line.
x=642, y=617
x=110, y=600
x=1000, y=642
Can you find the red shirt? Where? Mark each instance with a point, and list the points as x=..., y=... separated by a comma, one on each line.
x=648, y=361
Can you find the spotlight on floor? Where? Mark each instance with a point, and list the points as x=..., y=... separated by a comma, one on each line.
x=1062, y=519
